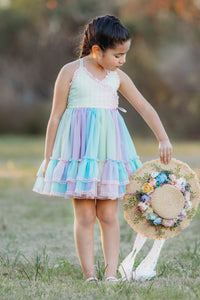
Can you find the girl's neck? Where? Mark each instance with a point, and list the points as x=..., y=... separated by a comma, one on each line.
x=91, y=61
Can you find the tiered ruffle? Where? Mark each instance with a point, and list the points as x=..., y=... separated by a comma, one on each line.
x=93, y=156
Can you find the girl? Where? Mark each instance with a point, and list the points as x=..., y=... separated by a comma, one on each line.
x=89, y=154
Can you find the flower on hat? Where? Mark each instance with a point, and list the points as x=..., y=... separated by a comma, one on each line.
x=143, y=205
x=161, y=178
x=157, y=221
x=145, y=198
x=168, y=222
x=187, y=195
x=187, y=186
x=149, y=210
x=182, y=180
x=155, y=180
x=172, y=177
x=188, y=204
x=180, y=184
x=157, y=184
x=147, y=188
x=154, y=174
x=152, y=216
x=152, y=182
x=182, y=215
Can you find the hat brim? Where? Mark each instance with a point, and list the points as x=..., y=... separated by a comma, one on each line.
x=134, y=216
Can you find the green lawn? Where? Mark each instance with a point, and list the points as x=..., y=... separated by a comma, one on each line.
x=37, y=252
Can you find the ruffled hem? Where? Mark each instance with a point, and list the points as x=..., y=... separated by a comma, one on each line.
x=86, y=178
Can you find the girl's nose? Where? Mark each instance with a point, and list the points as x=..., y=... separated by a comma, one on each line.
x=122, y=60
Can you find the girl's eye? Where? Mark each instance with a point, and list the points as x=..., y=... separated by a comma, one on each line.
x=117, y=56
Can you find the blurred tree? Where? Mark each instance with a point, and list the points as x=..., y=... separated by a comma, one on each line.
x=37, y=37
x=164, y=60
x=187, y=9
x=12, y=25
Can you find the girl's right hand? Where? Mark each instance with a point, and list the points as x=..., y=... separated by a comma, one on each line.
x=165, y=151
x=45, y=166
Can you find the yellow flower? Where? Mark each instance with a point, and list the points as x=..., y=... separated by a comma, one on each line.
x=147, y=188
x=149, y=210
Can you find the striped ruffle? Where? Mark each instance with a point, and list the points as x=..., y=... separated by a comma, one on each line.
x=93, y=156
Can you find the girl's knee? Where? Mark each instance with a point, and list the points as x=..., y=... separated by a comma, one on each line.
x=107, y=216
x=85, y=213
x=86, y=219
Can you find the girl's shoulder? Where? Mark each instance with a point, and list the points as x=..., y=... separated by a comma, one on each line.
x=121, y=74
x=123, y=77
x=67, y=71
x=70, y=68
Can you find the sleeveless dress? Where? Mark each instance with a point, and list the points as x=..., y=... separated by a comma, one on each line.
x=93, y=154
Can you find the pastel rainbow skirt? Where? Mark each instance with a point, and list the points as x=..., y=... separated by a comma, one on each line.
x=93, y=156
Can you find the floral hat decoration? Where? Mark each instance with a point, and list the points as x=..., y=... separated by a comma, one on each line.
x=161, y=199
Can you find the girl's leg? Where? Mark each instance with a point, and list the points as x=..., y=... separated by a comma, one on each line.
x=85, y=216
x=107, y=214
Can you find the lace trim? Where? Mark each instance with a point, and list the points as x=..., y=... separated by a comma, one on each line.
x=101, y=81
x=94, y=106
x=96, y=159
x=93, y=77
x=114, y=182
x=70, y=194
x=75, y=74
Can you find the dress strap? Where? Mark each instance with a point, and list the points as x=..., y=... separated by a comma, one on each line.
x=81, y=62
x=122, y=109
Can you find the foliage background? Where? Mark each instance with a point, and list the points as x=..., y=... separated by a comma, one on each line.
x=37, y=37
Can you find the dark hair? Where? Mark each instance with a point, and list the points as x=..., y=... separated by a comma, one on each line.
x=106, y=32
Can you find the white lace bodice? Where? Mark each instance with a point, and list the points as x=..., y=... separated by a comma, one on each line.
x=88, y=91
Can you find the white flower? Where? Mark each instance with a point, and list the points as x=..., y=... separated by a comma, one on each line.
x=187, y=205
x=182, y=188
x=178, y=185
x=148, y=211
x=172, y=177
x=181, y=180
x=154, y=174
x=187, y=196
x=184, y=212
x=143, y=206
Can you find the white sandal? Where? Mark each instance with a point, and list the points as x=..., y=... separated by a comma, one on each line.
x=112, y=279
x=91, y=279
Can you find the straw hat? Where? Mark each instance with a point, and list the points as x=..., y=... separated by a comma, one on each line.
x=160, y=199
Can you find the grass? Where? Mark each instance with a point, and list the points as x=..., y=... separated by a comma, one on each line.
x=38, y=258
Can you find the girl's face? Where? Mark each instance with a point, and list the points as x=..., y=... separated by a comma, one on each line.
x=115, y=58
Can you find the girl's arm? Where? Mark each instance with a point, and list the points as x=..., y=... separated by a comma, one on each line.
x=61, y=90
x=148, y=113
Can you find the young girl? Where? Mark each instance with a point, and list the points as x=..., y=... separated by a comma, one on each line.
x=89, y=153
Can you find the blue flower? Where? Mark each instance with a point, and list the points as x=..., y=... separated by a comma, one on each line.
x=157, y=221
x=161, y=178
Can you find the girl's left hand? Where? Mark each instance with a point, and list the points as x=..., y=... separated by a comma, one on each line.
x=165, y=151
